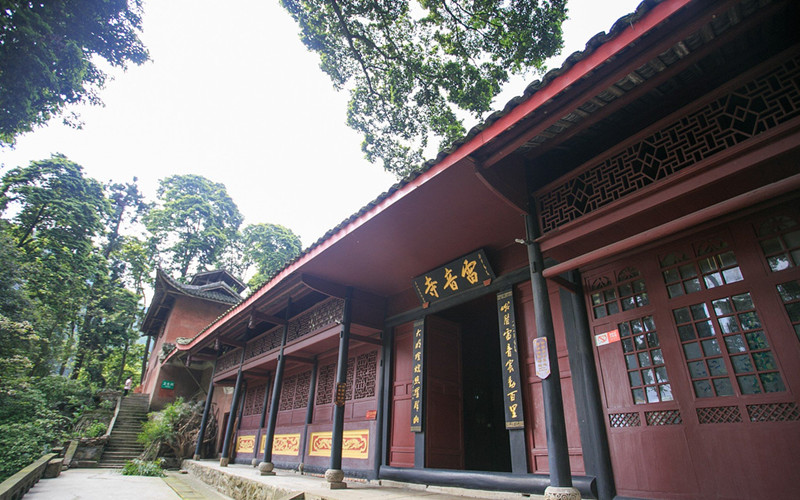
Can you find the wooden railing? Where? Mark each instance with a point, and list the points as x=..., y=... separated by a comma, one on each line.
x=17, y=485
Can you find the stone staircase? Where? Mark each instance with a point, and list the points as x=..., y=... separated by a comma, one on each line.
x=122, y=444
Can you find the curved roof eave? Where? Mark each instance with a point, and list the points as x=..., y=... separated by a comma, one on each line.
x=599, y=49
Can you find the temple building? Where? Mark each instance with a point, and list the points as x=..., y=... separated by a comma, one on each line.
x=178, y=308
x=597, y=290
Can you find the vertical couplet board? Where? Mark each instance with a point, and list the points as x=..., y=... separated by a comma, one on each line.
x=418, y=343
x=509, y=357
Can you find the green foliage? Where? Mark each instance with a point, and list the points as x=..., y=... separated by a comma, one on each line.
x=96, y=429
x=193, y=223
x=48, y=55
x=34, y=414
x=138, y=467
x=269, y=247
x=409, y=67
x=176, y=427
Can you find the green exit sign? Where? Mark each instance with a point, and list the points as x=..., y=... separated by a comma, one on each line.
x=167, y=384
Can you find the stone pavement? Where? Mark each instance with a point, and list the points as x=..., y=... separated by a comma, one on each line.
x=244, y=482
x=104, y=484
x=208, y=481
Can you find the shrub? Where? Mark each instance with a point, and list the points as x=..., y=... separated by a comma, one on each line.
x=97, y=429
x=138, y=467
x=176, y=427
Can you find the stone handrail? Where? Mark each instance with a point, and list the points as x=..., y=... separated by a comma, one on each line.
x=114, y=418
x=17, y=485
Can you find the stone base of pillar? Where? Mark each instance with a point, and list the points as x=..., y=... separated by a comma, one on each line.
x=266, y=469
x=333, y=479
x=254, y=462
x=223, y=462
x=561, y=493
x=196, y=457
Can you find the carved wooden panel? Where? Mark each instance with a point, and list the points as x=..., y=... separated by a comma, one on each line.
x=753, y=108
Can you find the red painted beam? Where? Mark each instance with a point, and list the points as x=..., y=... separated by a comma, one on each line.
x=740, y=202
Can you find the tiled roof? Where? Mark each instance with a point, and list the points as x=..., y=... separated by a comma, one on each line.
x=594, y=42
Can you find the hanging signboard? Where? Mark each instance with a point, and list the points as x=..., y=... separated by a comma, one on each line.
x=465, y=273
x=418, y=339
x=510, y=360
x=541, y=358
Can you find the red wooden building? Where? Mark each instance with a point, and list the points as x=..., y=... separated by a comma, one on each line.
x=638, y=208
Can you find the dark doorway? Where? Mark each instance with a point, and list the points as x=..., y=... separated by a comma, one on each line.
x=486, y=445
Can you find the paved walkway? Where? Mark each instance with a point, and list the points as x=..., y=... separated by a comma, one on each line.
x=104, y=484
x=288, y=483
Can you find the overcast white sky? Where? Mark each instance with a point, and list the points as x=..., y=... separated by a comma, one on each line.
x=233, y=95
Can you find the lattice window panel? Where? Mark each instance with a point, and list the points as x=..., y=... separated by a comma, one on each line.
x=755, y=107
x=328, y=312
x=663, y=417
x=753, y=363
x=709, y=265
x=254, y=400
x=624, y=419
x=326, y=378
x=287, y=393
x=351, y=368
x=790, y=295
x=266, y=343
x=229, y=360
x=701, y=350
x=302, y=390
x=366, y=370
x=779, y=237
x=647, y=373
x=774, y=412
x=719, y=415
x=629, y=293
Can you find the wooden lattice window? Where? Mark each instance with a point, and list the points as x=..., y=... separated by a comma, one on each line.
x=628, y=293
x=790, y=295
x=702, y=351
x=287, y=393
x=779, y=238
x=647, y=374
x=327, y=375
x=254, y=400
x=733, y=322
x=711, y=264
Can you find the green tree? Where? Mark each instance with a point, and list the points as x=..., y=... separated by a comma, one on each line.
x=192, y=224
x=269, y=247
x=49, y=53
x=409, y=66
x=56, y=215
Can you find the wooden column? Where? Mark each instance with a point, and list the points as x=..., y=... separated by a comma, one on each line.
x=204, y=421
x=555, y=425
x=597, y=457
x=265, y=468
x=309, y=407
x=334, y=475
x=261, y=422
x=229, y=430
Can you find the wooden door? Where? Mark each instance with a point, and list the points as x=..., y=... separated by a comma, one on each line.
x=444, y=436
x=401, y=445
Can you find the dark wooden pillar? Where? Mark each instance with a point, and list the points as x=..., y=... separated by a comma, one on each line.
x=555, y=425
x=204, y=421
x=261, y=422
x=229, y=430
x=309, y=407
x=334, y=475
x=597, y=457
x=266, y=466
